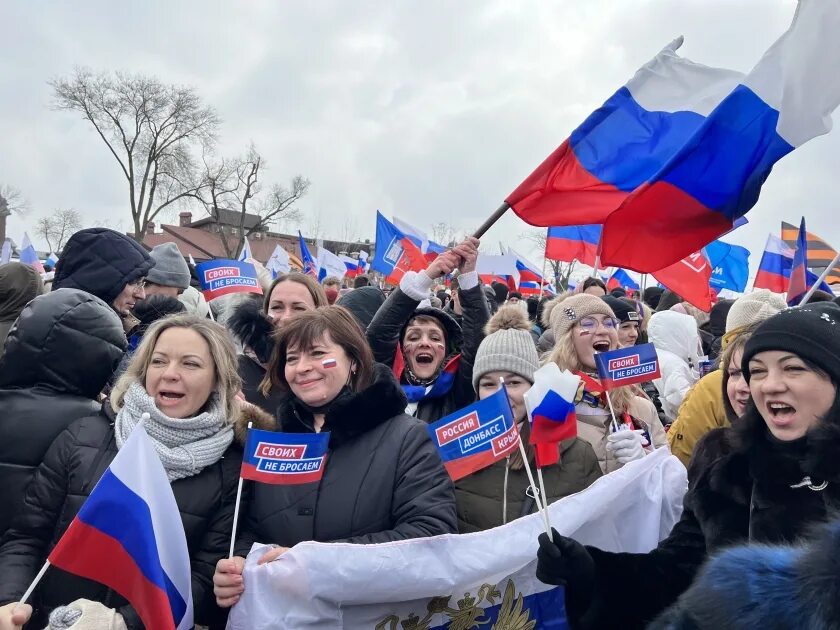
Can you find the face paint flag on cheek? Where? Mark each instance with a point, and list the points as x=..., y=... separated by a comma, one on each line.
x=329, y=363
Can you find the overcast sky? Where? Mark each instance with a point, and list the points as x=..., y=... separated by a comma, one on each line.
x=431, y=111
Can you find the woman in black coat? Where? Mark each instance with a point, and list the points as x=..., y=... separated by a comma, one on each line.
x=46, y=382
x=767, y=481
x=184, y=376
x=253, y=324
x=383, y=478
x=420, y=343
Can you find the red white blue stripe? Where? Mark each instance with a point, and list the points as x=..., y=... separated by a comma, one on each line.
x=622, y=279
x=395, y=252
x=774, y=268
x=129, y=536
x=28, y=255
x=551, y=408
x=573, y=242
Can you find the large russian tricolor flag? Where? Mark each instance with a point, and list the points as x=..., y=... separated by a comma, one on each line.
x=716, y=175
x=129, y=536
x=574, y=242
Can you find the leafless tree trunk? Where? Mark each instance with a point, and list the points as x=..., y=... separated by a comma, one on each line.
x=152, y=130
x=11, y=201
x=234, y=185
x=58, y=227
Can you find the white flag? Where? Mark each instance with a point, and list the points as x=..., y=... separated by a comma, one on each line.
x=279, y=262
x=329, y=264
x=245, y=254
x=339, y=585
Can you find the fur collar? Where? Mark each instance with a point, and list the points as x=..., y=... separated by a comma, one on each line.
x=251, y=413
x=252, y=328
x=351, y=417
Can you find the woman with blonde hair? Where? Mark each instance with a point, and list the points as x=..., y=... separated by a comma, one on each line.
x=183, y=376
x=584, y=325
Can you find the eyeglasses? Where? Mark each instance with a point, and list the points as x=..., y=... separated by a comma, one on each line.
x=590, y=324
x=140, y=283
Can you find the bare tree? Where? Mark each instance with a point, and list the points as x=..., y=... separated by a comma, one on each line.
x=57, y=227
x=232, y=185
x=11, y=201
x=561, y=270
x=445, y=234
x=151, y=129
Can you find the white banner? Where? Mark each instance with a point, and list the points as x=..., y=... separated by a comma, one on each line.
x=458, y=579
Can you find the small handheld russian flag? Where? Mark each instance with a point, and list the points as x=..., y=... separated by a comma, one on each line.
x=284, y=458
x=551, y=408
x=220, y=277
x=627, y=366
x=476, y=436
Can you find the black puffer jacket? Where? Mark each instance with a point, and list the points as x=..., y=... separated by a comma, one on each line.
x=383, y=481
x=58, y=358
x=101, y=261
x=387, y=326
x=739, y=491
x=71, y=468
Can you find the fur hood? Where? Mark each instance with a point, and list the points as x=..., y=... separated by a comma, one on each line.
x=251, y=413
x=763, y=586
x=347, y=419
x=250, y=326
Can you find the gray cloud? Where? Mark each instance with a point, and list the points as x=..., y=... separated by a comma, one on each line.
x=432, y=111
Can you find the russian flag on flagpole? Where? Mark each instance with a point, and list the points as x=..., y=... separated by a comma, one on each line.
x=774, y=268
x=528, y=271
x=621, y=278
x=574, y=242
x=28, y=255
x=310, y=266
x=428, y=247
x=351, y=265
x=717, y=174
x=128, y=535
x=52, y=259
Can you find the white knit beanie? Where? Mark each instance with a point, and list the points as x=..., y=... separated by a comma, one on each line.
x=508, y=346
x=754, y=307
x=564, y=311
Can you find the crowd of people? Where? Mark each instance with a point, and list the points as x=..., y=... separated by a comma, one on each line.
x=124, y=333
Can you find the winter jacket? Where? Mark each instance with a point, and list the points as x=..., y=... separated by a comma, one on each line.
x=701, y=411
x=102, y=262
x=739, y=491
x=594, y=425
x=716, y=326
x=19, y=284
x=497, y=495
x=71, y=468
x=46, y=382
x=757, y=586
x=678, y=346
x=386, y=329
x=383, y=478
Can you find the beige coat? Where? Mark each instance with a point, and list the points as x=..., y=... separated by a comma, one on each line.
x=594, y=428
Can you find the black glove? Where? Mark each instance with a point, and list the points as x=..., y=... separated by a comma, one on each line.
x=567, y=563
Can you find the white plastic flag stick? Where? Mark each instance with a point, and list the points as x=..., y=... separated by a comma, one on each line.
x=534, y=488
x=545, y=500
x=819, y=281
x=236, y=507
x=32, y=586
x=612, y=411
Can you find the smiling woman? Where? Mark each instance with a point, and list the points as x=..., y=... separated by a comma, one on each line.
x=383, y=479
x=584, y=325
x=769, y=479
x=182, y=384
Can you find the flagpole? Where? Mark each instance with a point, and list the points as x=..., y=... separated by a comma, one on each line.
x=32, y=586
x=542, y=280
x=820, y=280
x=597, y=264
x=491, y=220
x=612, y=411
x=236, y=509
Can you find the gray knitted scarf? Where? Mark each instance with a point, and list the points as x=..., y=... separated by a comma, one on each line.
x=185, y=445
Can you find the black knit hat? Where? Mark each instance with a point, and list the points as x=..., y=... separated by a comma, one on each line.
x=811, y=332
x=624, y=310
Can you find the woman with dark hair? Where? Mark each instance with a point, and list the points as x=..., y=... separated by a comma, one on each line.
x=594, y=286
x=431, y=354
x=253, y=325
x=383, y=478
x=768, y=479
